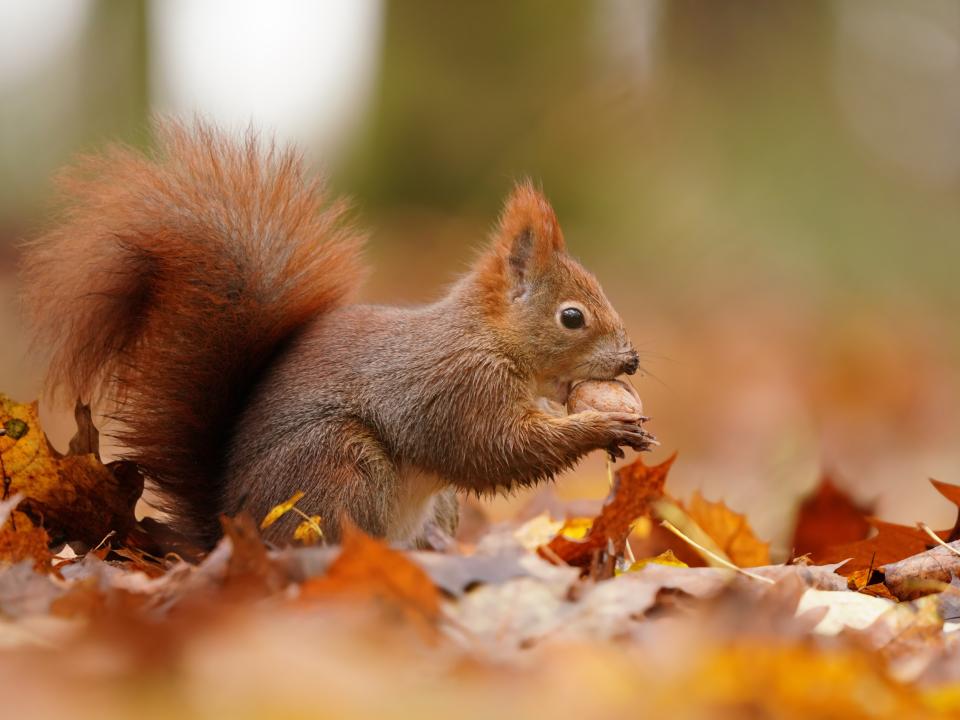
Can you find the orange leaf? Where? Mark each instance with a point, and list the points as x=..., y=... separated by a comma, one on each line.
x=891, y=543
x=634, y=488
x=369, y=569
x=730, y=531
x=20, y=540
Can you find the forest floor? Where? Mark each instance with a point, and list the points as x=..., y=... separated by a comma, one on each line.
x=647, y=604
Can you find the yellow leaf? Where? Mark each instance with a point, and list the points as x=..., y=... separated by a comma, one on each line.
x=77, y=497
x=665, y=558
x=309, y=531
x=576, y=528
x=278, y=511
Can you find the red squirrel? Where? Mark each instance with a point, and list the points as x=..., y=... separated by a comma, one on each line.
x=206, y=292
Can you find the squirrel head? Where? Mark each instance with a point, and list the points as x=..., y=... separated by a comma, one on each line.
x=548, y=310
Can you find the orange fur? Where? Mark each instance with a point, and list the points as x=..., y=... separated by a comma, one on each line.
x=525, y=211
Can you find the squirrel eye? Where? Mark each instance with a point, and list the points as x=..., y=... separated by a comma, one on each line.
x=571, y=318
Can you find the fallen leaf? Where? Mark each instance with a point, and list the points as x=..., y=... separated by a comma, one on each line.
x=729, y=530
x=892, y=542
x=635, y=487
x=532, y=534
x=250, y=572
x=310, y=531
x=369, y=569
x=844, y=609
x=278, y=511
x=23, y=591
x=951, y=493
x=74, y=497
x=86, y=441
x=827, y=517
x=457, y=574
x=21, y=539
x=922, y=574
x=665, y=558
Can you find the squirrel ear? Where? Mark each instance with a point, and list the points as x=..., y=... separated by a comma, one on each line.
x=528, y=235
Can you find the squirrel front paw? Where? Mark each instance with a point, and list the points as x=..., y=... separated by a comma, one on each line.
x=615, y=430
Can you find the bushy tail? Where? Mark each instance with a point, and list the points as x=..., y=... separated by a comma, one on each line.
x=170, y=283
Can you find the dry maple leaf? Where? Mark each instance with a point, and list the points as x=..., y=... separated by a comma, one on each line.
x=827, y=517
x=892, y=542
x=729, y=530
x=635, y=487
x=369, y=569
x=74, y=497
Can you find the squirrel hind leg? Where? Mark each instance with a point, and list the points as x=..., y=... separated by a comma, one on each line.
x=342, y=469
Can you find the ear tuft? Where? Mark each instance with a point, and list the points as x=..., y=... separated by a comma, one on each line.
x=528, y=235
x=528, y=210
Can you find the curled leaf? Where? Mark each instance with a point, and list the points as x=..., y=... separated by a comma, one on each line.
x=278, y=511
x=310, y=531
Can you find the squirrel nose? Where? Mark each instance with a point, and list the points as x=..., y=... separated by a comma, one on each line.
x=632, y=363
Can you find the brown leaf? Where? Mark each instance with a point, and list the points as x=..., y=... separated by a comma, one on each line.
x=86, y=441
x=827, y=517
x=730, y=531
x=634, y=488
x=891, y=543
x=250, y=573
x=924, y=573
x=369, y=569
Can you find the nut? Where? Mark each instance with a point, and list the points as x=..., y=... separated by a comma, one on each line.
x=604, y=395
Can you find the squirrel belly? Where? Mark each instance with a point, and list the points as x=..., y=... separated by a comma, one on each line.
x=203, y=293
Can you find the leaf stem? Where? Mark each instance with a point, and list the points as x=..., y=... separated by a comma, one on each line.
x=712, y=555
x=936, y=538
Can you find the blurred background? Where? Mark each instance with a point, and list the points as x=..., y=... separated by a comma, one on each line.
x=769, y=191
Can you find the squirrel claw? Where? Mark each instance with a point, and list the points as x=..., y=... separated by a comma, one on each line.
x=614, y=452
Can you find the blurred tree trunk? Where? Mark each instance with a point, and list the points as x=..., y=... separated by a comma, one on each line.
x=461, y=85
x=90, y=92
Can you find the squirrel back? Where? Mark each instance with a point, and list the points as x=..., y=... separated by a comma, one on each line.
x=171, y=282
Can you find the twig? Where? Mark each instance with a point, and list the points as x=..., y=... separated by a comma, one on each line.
x=712, y=555
x=936, y=538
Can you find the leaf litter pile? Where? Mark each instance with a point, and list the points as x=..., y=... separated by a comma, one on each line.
x=648, y=605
